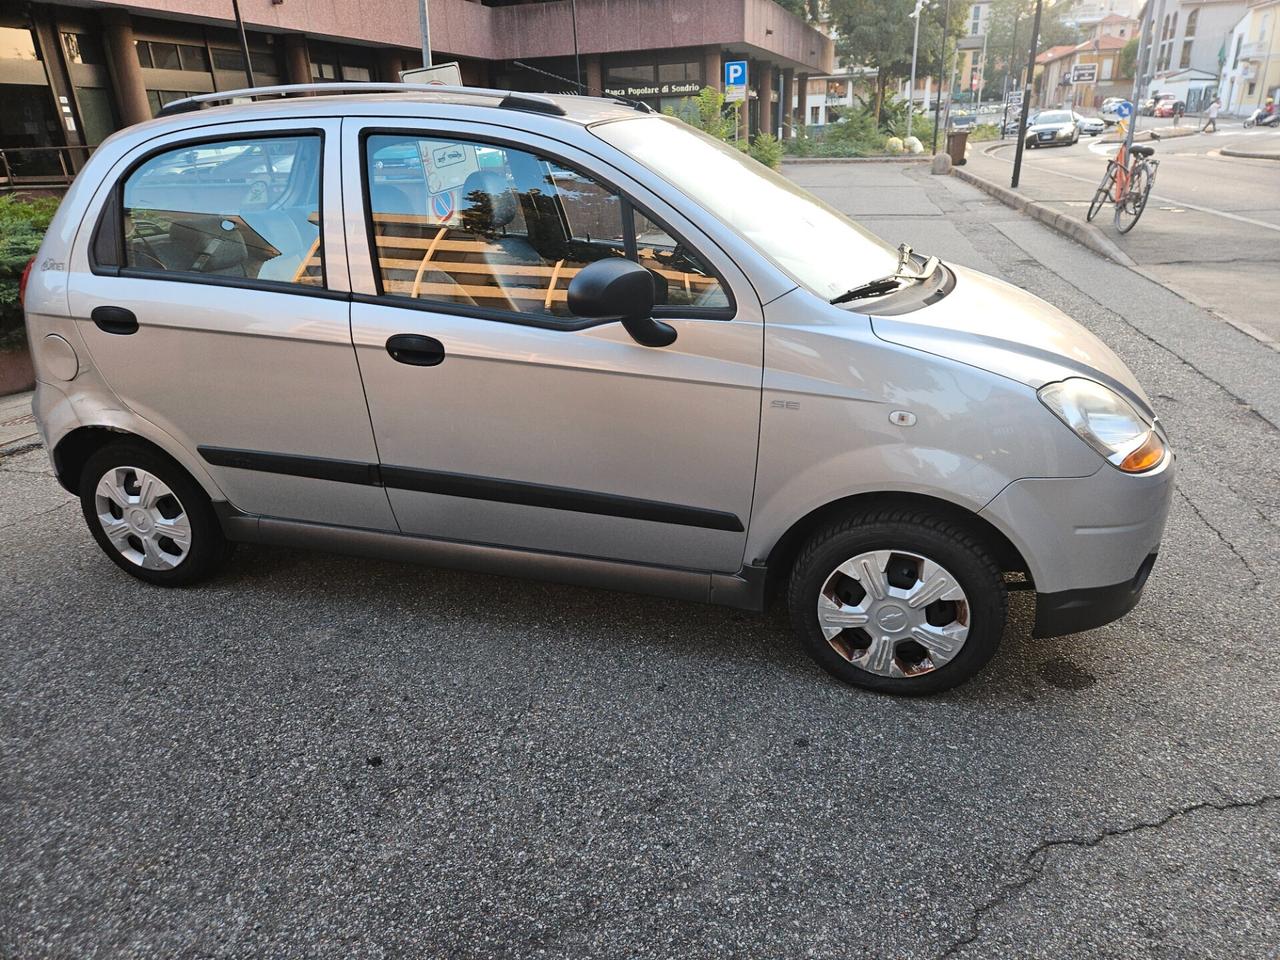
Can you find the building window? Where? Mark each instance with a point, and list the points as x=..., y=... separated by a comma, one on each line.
x=82, y=48
x=1107, y=67
x=356, y=74
x=1192, y=17
x=17, y=43
x=233, y=61
x=815, y=116
x=158, y=98
x=239, y=208
x=1186, y=54
x=324, y=71
x=172, y=56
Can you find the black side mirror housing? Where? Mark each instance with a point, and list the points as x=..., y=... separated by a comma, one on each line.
x=624, y=290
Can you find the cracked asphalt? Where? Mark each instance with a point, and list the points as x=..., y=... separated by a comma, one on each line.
x=316, y=756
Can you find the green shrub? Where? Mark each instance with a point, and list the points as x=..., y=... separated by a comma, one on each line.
x=23, y=220
x=767, y=149
x=985, y=131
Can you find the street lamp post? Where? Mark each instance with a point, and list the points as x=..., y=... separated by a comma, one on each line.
x=942, y=73
x=424, y=19
x=915, y=47
x=1026, y=99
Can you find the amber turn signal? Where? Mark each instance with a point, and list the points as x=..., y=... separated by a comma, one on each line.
x=1145, y=456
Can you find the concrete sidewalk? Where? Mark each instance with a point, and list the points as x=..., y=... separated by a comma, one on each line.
x=17, y=425
x=1194, y=251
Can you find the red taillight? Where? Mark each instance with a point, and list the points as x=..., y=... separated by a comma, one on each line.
x=22, y=284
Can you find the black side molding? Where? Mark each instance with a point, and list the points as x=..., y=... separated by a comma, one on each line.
x=472, y=488
x=316, y=468
x=555, y=498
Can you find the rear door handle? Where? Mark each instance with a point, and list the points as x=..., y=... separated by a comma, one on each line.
x=415, y=349
x=115, y=320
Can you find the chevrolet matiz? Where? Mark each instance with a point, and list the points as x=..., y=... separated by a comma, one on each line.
x=564, y=338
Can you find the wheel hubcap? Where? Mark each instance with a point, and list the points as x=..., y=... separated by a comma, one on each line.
x=143, y=519
x=893, y=613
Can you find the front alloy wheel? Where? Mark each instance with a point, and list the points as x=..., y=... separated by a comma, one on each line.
x=893, y=613
x=899, y=600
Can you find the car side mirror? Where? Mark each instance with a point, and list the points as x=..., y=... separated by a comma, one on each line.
x=623, y=290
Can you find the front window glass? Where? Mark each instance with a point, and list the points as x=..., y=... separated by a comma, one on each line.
x=820, y=247
x=238, y=208
x=484, y=225
x=1056, y=116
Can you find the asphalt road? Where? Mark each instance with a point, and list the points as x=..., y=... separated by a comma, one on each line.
x=325, y=757
x=1212, y=228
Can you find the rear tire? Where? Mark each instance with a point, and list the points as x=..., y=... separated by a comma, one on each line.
x=919, y=555
x=149, y=516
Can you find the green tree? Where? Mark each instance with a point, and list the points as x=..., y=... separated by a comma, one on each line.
x=879, y=33
x=1008, y=37
x=1129, y=58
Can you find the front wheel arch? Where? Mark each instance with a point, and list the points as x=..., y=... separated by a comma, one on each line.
x=784, y=551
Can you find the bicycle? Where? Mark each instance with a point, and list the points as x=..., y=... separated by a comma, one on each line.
x=1127, y=184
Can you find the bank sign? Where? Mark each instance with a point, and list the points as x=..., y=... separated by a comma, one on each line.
x=683, y=89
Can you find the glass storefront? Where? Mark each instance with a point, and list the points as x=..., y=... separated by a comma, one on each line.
x=658, y=84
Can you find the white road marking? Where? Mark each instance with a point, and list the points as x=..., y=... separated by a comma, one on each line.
x=1160, y=197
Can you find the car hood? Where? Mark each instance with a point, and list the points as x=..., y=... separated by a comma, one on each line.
x=996, y=326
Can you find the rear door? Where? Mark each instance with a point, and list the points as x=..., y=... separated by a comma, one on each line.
x=216, y=304
x=529, y=427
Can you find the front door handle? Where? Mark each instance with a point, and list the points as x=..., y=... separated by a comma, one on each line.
x=415, y=349
x=115, y=320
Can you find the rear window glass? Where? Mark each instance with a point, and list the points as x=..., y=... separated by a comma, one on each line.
x=248, y=209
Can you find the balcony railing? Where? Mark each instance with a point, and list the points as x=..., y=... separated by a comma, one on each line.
x=40, y=166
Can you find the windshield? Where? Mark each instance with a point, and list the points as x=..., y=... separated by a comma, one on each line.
x=1055, y=117
x=819, y=247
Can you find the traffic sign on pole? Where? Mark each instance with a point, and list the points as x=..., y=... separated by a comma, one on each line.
x=735, y=81
x=1084, y=73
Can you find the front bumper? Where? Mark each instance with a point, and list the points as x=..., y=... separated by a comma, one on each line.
x=1073, y=611
x=1089, y=542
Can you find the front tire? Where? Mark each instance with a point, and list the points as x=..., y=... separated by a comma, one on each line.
x=149, y=516
x=898, y=601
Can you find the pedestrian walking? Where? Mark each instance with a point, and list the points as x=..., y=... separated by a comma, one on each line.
x=1212, y=116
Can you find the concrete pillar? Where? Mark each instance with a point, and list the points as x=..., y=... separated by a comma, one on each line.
x=788, y=106
x=593, y=75
x=297, y=61
x=764, y=89
x=802, y=100
x=712, y=68
x=126, y=73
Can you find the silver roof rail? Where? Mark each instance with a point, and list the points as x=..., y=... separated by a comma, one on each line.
x=509, y=99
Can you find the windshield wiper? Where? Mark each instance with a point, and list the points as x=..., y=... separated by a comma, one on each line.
x=878, y=288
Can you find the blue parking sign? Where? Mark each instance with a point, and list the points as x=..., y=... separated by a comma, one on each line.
x=735, y=73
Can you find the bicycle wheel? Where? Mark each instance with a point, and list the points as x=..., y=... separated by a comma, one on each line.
x=1104, y=192
x=1135, y=199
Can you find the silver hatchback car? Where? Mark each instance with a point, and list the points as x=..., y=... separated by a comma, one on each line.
x=559, y=337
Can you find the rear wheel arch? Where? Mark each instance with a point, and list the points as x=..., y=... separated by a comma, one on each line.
x=73, y=451
x=783, y=553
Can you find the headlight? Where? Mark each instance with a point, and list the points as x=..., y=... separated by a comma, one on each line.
x=1106, y=421
x=1064, y=132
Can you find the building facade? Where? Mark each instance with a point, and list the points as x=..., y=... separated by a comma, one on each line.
x=72, y=74
x=1251, y=72
x=1189, y=47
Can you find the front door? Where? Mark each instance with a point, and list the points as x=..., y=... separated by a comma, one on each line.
x=216, y=308
x=501, y=418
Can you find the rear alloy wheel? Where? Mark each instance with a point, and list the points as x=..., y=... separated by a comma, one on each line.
x=898, y=601
x=149, y=516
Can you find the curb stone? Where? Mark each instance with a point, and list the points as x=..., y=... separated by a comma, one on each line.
x=1249, y=154
x=1085, y=234
x=917, y=158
